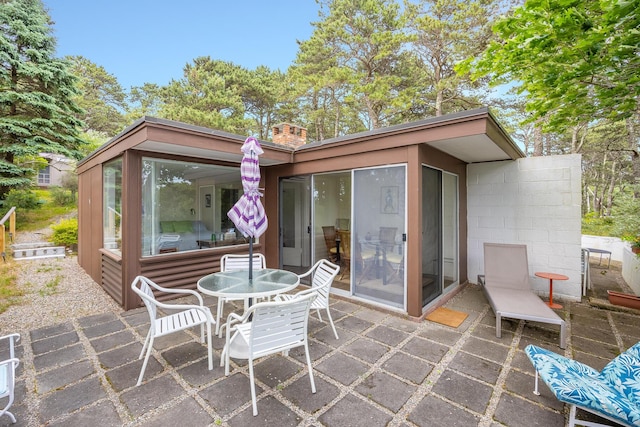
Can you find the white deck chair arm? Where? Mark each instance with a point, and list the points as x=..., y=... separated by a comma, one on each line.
x=175, y=291
x=205, y=310
x=13, y=360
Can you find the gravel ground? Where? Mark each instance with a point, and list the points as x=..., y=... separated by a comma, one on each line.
x=56, y=289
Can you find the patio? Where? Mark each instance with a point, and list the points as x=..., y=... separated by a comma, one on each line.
x=384, y=370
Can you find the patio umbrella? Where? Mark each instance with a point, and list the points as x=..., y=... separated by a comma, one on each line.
x=248, y=213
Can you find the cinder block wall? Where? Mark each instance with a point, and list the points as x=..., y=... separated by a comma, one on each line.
x=535, y=201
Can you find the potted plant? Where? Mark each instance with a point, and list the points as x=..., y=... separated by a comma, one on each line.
x=635, y=245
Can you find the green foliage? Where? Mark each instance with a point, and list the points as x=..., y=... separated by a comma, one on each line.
x=61, y=196
x=65, y=232
x=9, y=292
x=21, y=199
x=37, y=111
x=594, y=225
x=100, y=96
x=626, y=211
x=575, y=61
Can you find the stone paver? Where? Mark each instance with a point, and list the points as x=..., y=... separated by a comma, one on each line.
x=383, y=370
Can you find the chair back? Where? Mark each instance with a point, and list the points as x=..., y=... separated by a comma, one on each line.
x=506, y=266
x=278, y=326
x=345, y=244
x=324, y=272
x=387, y=236
x=329, y=232
x=235, y=262
x=144, y=288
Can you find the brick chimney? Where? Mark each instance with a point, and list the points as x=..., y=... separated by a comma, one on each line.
x=289, y=135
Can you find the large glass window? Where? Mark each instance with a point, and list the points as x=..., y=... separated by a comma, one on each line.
x=185, y=205
x=112, y=221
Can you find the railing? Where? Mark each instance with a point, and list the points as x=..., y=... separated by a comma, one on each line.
x=11, y=216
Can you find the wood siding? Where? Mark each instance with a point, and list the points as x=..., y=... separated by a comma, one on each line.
x=111, y=280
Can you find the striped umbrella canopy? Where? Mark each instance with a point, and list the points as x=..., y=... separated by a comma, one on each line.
x=248, y=213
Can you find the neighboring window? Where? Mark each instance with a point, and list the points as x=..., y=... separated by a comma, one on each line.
x=44, y=176
x=185, y=205
x=112, y=193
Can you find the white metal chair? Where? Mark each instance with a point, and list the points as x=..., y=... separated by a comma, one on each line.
x=187, y=316
x=267, y=328
x=8, y=374
x=235, y=262
x=323, y=273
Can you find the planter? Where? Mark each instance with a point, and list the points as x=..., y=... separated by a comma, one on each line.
x=635, y=249
x=625, y=300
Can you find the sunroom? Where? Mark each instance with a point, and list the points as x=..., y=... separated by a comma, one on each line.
x=391, y=206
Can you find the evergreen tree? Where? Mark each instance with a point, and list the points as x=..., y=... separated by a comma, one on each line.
x=37, y=111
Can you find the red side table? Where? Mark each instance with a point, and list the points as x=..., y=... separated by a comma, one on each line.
x=552, y=277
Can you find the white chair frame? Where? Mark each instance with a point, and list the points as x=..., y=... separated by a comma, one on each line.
x=188, y=316
x=323, y=274
x=8, y=374
x=267, y=328
x=236, y=262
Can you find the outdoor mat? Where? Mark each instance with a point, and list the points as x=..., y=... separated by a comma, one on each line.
x=447, y=316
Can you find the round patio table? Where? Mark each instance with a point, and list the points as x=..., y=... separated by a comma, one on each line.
x=236, y=284
x=552, y=277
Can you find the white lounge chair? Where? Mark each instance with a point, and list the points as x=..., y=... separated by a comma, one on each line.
x=267, y=328
x=323, y=273
x=8, y=374
x=187, y=316
x=506, y=285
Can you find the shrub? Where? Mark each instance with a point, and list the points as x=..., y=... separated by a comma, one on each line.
x=65, y=232
x=61, y=196
x=23, y=199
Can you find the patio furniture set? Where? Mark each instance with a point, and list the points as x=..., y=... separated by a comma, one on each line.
x=265, y=328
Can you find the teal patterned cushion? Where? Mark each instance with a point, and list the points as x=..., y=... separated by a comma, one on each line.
x=623, y=373
x=612, y=392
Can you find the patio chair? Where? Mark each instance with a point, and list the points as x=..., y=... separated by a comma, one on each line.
x=506, y=286
x=187, y=316
x=236, y=262
x=613, y=393
x=323, y=273
x=8, y=375
x=267, y=328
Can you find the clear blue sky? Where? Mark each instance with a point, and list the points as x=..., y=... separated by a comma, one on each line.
x=141, y=41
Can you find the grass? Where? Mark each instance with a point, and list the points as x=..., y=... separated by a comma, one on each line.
x=42, y=217
x=10, y=294
x=51, y=287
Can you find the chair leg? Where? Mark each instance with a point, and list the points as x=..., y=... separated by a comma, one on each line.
x=146, y=343
x=253, y=388
x=319, y=315
x=209, y=350
x=146, y=359
x=309, y=367
x=332, y=325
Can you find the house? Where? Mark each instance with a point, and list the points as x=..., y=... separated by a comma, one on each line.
x=412, y=205
x=58, y=166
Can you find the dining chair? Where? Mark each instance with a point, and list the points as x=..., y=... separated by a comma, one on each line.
x=345, y=251
x=322, y=275
x=8, y=375
x=329, y=232
x=236, y=262
x=187, y=316
x=267, y=328
x=391, y=258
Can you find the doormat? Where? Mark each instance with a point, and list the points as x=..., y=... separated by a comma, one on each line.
x=446, y=316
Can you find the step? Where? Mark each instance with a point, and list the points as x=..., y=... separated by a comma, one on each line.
x=26, y=251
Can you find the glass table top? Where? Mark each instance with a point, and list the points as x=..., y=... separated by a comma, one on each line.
x=265, y=282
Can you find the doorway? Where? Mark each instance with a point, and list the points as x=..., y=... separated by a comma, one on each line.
x=295, y=239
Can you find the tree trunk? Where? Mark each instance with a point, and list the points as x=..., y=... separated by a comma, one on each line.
x=537, y=140
x=612, y=182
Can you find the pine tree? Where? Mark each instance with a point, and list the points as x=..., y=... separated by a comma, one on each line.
x=36, y=106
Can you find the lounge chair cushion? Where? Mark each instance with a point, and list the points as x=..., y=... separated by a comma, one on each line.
x=613, y=392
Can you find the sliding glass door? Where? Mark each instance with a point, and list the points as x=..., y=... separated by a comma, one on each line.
x=378, y=235
x=439, y=233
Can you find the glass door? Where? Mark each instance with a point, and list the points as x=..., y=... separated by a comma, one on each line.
x=295, y=243
x=440, y=225
x=378, y=235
